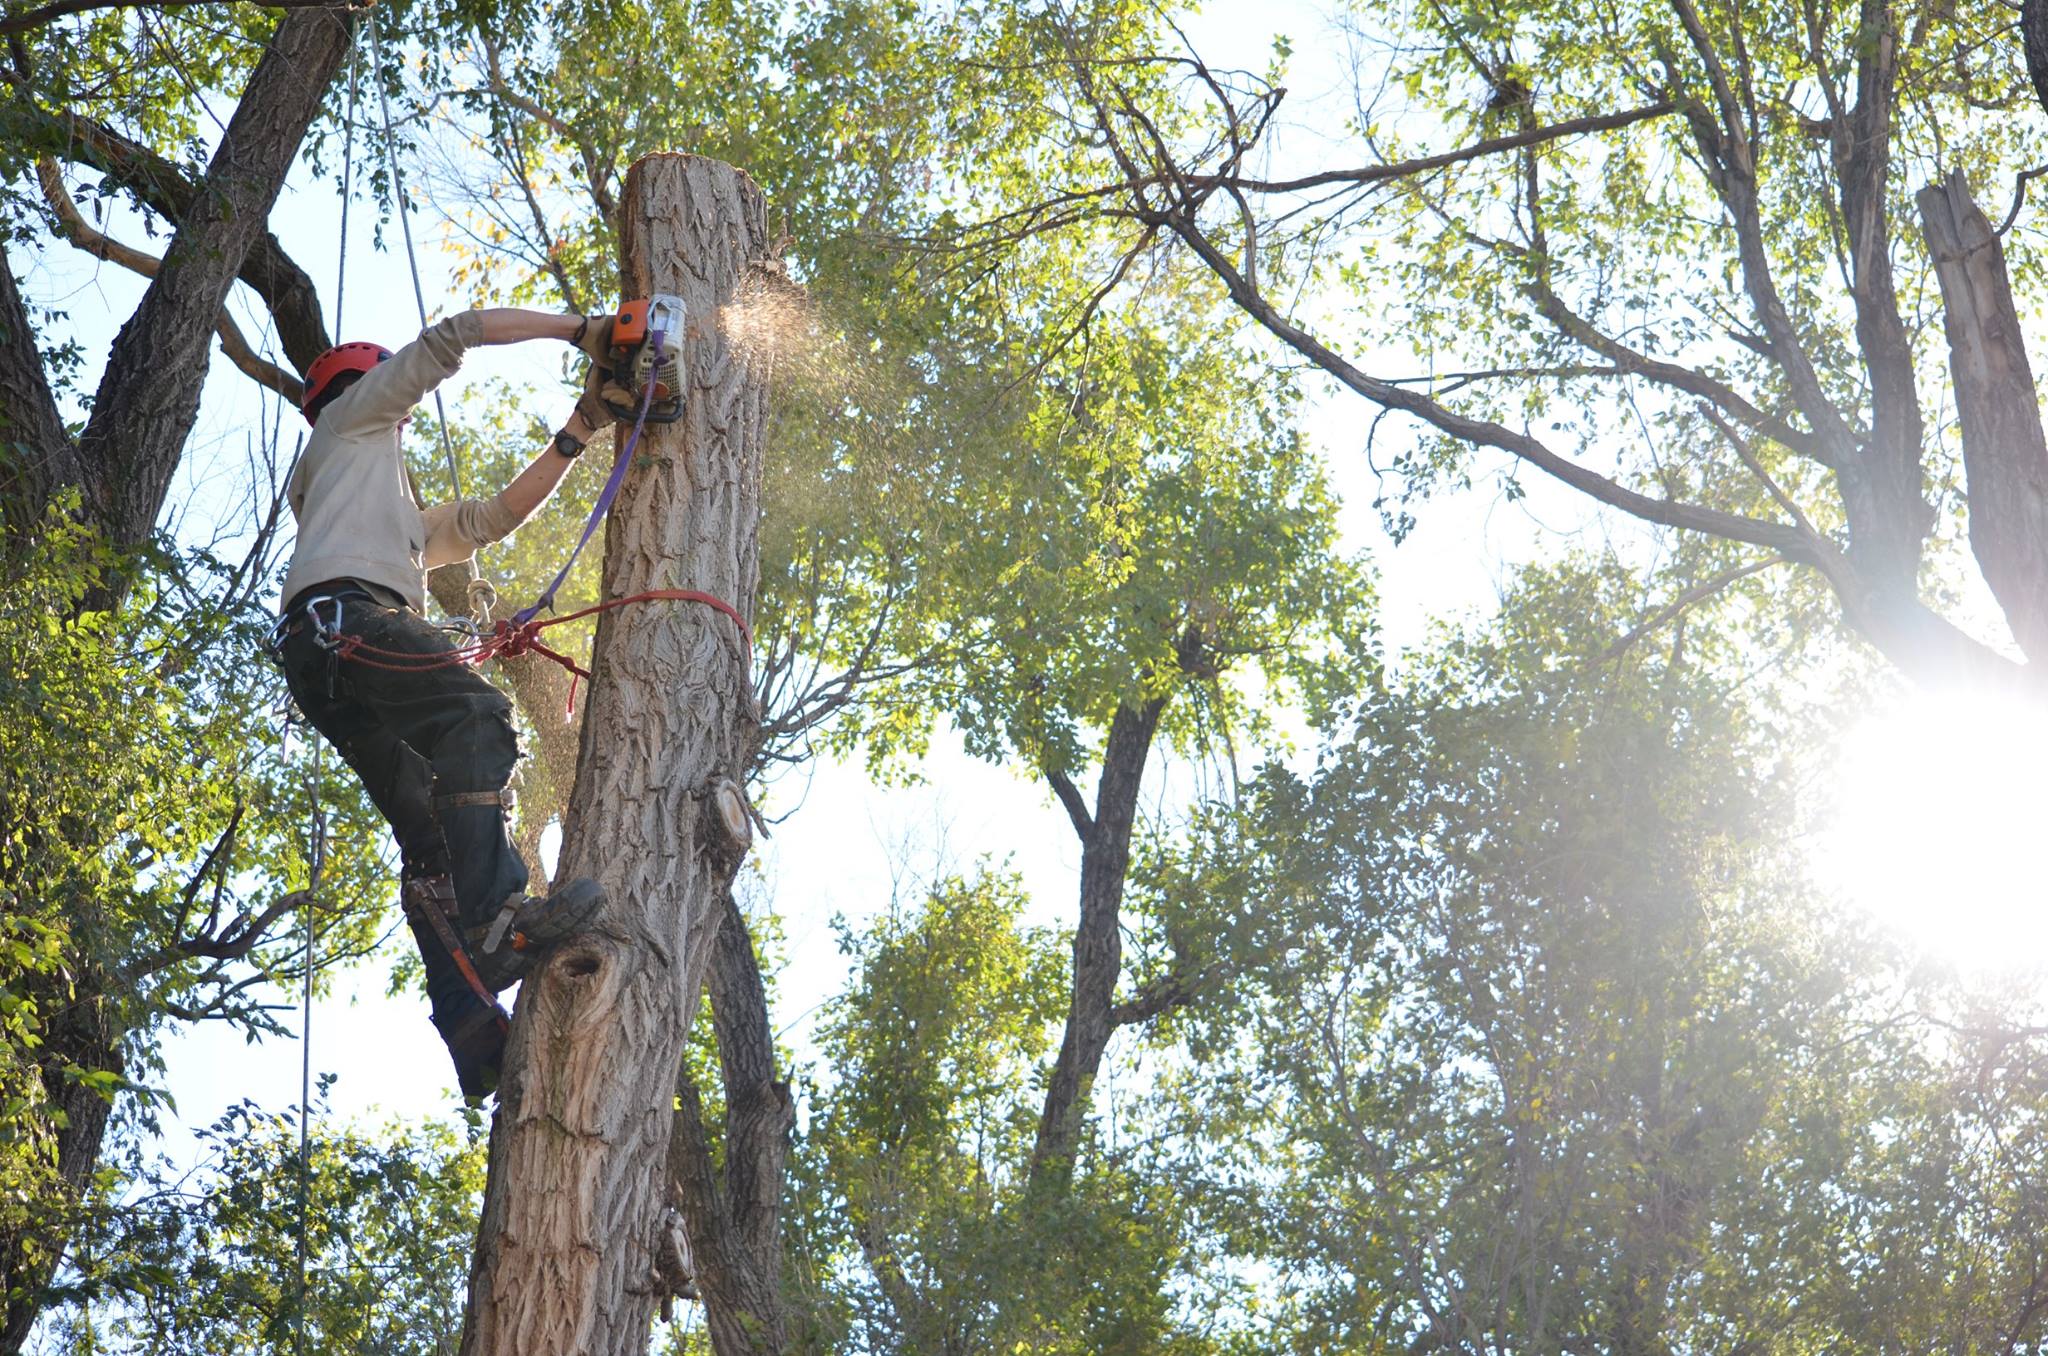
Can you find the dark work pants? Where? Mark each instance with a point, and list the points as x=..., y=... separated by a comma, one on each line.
x=411, y=736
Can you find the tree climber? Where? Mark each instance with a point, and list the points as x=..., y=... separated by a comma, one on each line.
x=433, y=744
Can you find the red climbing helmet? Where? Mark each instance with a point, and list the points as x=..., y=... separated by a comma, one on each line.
x=336, y=361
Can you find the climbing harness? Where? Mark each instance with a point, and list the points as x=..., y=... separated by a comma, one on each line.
x=513, y=637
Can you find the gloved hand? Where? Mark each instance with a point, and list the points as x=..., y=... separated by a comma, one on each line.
x=594, y=337
x=591, y=404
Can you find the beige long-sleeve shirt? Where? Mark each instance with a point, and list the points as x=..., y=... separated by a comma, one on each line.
x=357, y=512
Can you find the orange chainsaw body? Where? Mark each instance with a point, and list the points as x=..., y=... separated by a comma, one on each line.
x=634, y=365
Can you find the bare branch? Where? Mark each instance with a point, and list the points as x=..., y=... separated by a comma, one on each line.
x=597, y=171
x=1162, y=994
x=1405, y=169
x=1717, y=78
x=2019, y=196
x=1689, y=380
x=1725, y=150
x=1692, y=597
x=1077, y=807
x=241, y=936
x=1669, y=513
x=1748, y=456
x=168, y=191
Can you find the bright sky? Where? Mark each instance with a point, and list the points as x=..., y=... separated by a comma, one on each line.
x=848, y=844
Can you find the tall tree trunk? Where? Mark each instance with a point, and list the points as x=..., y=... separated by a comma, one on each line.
x=148, y=395
x=2034, y=32
x=2005, y=456
x=1098, y=940
x=735, y=1222
x=123, y=463
x=84, y=1030
x=40, y=458
x=574, y=1213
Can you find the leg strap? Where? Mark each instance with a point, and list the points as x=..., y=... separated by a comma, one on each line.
x=455, y=800
x=433, y=899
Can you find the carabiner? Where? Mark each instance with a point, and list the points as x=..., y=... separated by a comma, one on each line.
x=326, y=634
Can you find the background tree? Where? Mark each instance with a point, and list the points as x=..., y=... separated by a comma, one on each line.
x=1536, y=1040
x=206, y=1260
x=916, y=1180
x=1672, y=233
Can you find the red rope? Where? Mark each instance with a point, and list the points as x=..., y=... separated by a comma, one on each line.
x=512, y=639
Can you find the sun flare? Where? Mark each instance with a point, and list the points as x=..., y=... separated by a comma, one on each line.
x=1939, y=811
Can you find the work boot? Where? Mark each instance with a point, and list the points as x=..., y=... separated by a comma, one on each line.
x=506, y=948
x=475, y=1037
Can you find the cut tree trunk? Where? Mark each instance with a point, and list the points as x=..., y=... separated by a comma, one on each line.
x=570, y=1248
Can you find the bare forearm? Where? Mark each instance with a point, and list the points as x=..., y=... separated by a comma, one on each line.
x=532, y=486
x=513, y=325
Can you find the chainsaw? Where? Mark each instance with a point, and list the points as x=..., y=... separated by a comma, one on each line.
x=647, y=341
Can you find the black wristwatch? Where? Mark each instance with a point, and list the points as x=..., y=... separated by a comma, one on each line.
x=568, y=444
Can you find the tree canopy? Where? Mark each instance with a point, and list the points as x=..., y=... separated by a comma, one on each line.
x=1478, y=989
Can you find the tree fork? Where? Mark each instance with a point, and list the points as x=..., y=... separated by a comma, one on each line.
x=574, y=1211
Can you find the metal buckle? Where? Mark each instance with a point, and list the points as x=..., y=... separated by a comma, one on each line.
x=501, y=925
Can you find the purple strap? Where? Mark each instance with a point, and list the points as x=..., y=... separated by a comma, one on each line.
x=604, y=500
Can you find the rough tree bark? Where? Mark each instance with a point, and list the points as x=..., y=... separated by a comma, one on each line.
x=123, y=464
x=2034, y=33
x=735, y=1219
x=85, y=1028
x=144, y=406
x=1098, y=940
x=570, y=1247
x=2005, y=457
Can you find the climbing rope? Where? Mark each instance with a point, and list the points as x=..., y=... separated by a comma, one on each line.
x=412, y=262
x=512, y=638
x=348, y=146
x=317, y=867
x=317, y=855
